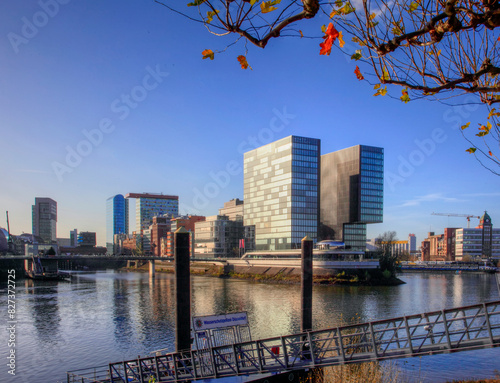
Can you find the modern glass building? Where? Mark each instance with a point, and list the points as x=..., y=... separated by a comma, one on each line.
x=281, y=192
x=352, y=192
x=148, y=206
x=44, y=219
x=117, y=218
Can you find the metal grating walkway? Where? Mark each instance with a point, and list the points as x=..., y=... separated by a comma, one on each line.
x=445, y=331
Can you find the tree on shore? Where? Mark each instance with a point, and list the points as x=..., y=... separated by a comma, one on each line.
x=436, y=50
x=388, y=259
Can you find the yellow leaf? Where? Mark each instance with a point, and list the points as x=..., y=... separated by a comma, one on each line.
x=471, y=150
x=268, y=6
x=323, y=28
x=413, y=6
x=376, y=86
x=465, y=126
x=381, y=92
x=252, y=2
x=373, y=15
x=301, y=34
x=341, y=41
x=208, y=54
x=385, y=75
x=404, y=96
x=210, y=15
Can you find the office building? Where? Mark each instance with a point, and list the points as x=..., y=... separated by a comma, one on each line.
x=44, y=219
x=86, y=239
x=150, y=205
x=233, y=209
x=281, y=192
x=117, y=219
x=482, y=241
x=352, y=182
x=159, y=229
x=218, y=237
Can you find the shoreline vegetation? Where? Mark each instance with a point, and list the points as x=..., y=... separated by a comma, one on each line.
x=287, y=275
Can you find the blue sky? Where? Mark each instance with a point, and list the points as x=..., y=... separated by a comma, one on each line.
x=101, y=98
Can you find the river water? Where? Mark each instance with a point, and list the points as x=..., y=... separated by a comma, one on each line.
x=112, y=316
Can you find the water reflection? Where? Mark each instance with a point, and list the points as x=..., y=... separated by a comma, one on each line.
x=106, y=317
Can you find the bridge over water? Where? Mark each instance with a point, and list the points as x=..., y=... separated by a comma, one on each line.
x=445, y=331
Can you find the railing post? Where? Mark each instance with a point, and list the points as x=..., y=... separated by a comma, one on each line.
x=374, y=343
x=487, y=319
x=446, y=330
x=408, y=334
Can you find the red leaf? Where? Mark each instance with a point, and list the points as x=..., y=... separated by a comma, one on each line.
x=330, y=36
x=358, y=74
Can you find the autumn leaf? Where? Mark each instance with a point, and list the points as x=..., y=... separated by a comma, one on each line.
x=208, y=54
x=252, y=2
x=471, y=150
x=301, y=34
x=243, y=62
x=493, y=113
x=323, y=28
x=331, y=35
x=413, y=6
x=377, y=86
x=490, y=153
x=357, y=55
x=404, y=95
x=358, y=74
x=210, y=15
x=268, y=6
x=341, y=40
x=463, y=127
x=385, y=75
x=196, y=3
x=381, y=91
x=358, y=41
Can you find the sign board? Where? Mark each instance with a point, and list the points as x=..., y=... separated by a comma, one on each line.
x=219, y=321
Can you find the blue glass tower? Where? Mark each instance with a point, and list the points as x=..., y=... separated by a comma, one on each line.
x=116, y=219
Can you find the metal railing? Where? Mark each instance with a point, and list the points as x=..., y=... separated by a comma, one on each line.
x=444, y=331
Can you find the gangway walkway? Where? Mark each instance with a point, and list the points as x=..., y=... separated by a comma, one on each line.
x=445, y=331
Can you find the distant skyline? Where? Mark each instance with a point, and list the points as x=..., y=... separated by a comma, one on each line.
x=100, y=99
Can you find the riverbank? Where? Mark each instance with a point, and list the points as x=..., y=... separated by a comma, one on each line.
x=288, y=275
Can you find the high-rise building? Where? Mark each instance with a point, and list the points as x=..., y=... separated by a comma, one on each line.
x=87, y=239
x=117, y=218
x=352, y=191
x=233, y=209
x=281, y=192
x=150, y=205
x=44, y=219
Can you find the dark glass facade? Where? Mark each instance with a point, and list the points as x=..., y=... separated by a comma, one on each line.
x=352, y=191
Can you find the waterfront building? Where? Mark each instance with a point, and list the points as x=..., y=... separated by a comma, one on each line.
x=150, y=205
x=233, y=209
x=159, y=229
x=217, y=237
x=44, y=219
x=281, y=192
x=352, y=191
x=4, y=241
x=117, y=219
x=482, y=241
x=87, y=238
x=73, y=238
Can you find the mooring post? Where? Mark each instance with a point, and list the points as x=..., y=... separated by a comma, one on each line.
x=151, y=269
x=182, y=290
x=306, y=284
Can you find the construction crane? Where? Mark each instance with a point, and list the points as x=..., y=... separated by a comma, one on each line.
x=468, y=216
x=10, y=242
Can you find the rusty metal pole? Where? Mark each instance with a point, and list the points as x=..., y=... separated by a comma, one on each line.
x=306, y=284
x=182, y=290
